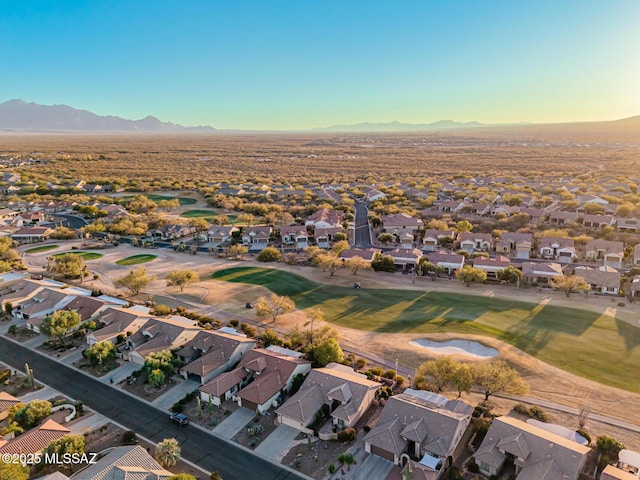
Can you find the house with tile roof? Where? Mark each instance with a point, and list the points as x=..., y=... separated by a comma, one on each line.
x=419, y=426
x=561, y=249
x=540, y=272
x=432, y=238
x=326, y=235
x=130, y=462
x=211, y=352
x=491, y=265
x=258, y=381
x=336, y=390
x=560, y=217
x=451, y=262
x=159, y=334
x=614, y=473
x=325, y=218
x=256, y=238
x=610, y=253
x=398, y=223
x=471, y=242
x=6, y=402
x=515, y=244
x=601, y=279
x=536, y=453
x=31, y=234
x=295, y=235
x=35, y=440
x=598, y=221
x=367, y=254
x=218, y=234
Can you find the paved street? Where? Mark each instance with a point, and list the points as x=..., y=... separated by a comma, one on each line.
x=362, y=236
x=202, y=448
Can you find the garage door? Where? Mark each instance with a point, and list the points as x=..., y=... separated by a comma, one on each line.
x=382, y=453
x=249, y=405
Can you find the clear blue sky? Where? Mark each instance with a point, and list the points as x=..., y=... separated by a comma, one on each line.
x=303, y=63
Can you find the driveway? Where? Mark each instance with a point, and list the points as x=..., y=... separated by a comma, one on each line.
x=276, y=445
x=373, y=468
x=120, y=373
x=166, y=400
x=234, y=423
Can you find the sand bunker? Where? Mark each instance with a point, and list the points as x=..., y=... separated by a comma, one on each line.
x=467, y=348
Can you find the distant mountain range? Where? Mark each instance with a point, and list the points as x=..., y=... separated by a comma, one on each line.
x=21, y=116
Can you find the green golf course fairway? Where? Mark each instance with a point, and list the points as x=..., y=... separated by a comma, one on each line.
x=84, y=255
x=589, y=344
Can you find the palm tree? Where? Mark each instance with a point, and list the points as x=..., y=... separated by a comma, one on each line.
x=168, y=452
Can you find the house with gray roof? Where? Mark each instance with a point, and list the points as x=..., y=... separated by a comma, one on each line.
x=212, y=352
x=258, y=381
x=336, y=391
x=602, y=279
x=124, y=463
x=422, y=428
x=515, y=244
x=536, y=453
x=610, y=253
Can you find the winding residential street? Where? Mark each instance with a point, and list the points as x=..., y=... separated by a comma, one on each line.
x=198, y=446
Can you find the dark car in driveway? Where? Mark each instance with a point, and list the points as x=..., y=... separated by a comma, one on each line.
x=179, y=418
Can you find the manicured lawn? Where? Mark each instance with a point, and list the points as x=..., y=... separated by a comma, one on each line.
x=208, y=215
x=586, y=343
x=136, y=259
x=183, y=200
x=42, y=248
x=85, y=255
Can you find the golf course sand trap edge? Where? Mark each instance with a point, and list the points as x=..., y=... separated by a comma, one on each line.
x=467, y=348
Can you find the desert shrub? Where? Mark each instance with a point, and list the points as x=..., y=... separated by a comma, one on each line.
x=269, y=254
x=480, y=426
x=399, y=380
x=538, y=413
x=389, y=374
x=347, y=435
x=472, y=466
x=584, y=433
x=361, y=363
x=366, y=428
x=234, y=323
x=129, y=438
x=161, y=310
x=521, y=408
x=177, y=407
x=331, y=468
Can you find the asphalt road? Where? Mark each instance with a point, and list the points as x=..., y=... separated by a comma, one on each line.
x=209, y=452
x=71, y=221
x=362, y=231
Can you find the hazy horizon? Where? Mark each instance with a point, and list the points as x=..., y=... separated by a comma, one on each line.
x=292, y=66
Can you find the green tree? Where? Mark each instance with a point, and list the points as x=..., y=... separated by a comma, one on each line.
x=182, y=476
x=462, y=378
x=273, y=306
x=60, y=323
x=31, y=414
x=246, y=218
x=609, y=448
x=68, y=265
x=510, y=275
x=340, y=247
x=269, y=337
x=329, y=262
x=135, y=280
x=168, y=452
x=464, y=226
x=468, y=274
x=156, y=378
x=497, y=376
x=269, y=254
x=355, y=264
x=99, y=352
x=385, y=238
x=438, y=372
x=182, y=278
x=328, y=351
x=569, y=284
x=13, y=471
x=238, y=251
x=67, y=444
x=161, y=360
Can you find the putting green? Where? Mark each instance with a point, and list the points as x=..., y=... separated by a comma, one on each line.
x=136, y=259
x=84, y=255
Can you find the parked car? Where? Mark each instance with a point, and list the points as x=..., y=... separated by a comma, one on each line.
x=179, y=418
